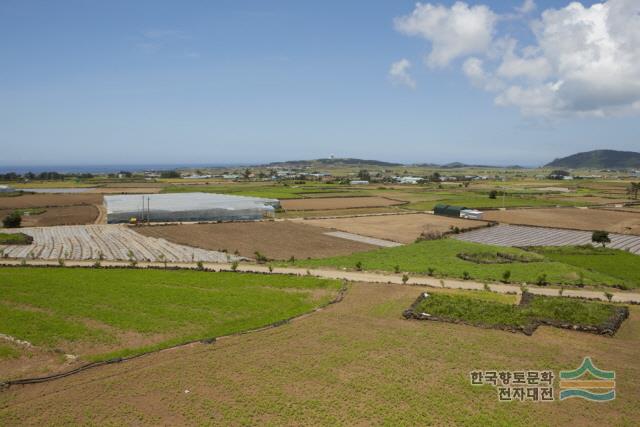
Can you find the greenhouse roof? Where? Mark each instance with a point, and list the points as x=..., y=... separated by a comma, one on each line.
x=184, y=202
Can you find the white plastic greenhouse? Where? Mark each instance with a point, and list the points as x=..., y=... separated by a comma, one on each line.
x=185, y=207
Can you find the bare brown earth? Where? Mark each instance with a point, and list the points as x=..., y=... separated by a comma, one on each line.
x=399, y=228
x=328, y=203
x=357, y=362
x=273, y=239
x=336, y=212
x=588, y=200
x=49, y=200
x=579, y=219
x=63, y=215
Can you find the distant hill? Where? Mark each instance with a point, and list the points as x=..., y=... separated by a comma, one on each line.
x=333, y=162
x=458, y=165
x=598, y=159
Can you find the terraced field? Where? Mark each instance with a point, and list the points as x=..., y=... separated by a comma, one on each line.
x=109, y=242
x=517, y=235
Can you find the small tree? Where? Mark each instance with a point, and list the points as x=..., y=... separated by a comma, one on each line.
x=396, y=269
x=364, y=175
x=601, y=237
x=405, y=278
x=542, y=280
x=506, y=276
x=359, y=265
x=13, y=220
x=260, y=259
x=633, y=189
x=493, y=194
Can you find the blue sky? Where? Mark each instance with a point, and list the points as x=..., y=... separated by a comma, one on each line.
x=124, y=82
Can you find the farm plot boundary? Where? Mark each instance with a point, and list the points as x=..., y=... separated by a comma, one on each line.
x=522, y=236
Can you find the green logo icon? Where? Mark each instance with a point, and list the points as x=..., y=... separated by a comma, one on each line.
x=598, y=386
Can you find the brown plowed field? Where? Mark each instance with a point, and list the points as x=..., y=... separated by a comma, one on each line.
x=43, y=200
x=357, y=362
x=328, y=203
x=578, y=219
x=275, y=240
x=63, y=215
x=398, y=228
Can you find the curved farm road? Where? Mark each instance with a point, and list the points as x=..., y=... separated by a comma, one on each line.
x=364, y=276
x=356, y=362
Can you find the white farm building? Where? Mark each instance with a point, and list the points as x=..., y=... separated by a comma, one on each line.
x=187, y=207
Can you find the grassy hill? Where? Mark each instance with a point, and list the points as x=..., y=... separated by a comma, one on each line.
x=598, y=159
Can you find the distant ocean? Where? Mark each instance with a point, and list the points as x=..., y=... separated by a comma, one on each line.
x=112, y=168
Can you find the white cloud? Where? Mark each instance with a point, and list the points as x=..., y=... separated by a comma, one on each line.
x=399, y=73
x=527, y=7
x=453, y=32
x=584, y=61
x=529, y=65
x=154, y=40
x=473, y=68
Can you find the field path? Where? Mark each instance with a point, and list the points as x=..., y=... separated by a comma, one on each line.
x=362, y=276
x=364, y=239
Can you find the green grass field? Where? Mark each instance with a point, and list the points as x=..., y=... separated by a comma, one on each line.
x=478, y=311
x=274, y=191
x=477, y=201
x=615, y=263
x=441, y=255
x=101, y=313
x=8, y=352
x=14, y=239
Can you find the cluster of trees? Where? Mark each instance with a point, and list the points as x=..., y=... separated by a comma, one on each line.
x=169, y=174
x=42, y=176
x=558, y=174
x=364, y=175
x=13, y=220
x=634, y=189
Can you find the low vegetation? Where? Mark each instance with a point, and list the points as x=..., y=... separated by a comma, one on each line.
x=8, y=352
x=15, y=239
x=497, y=257
x=557, y=310
x=440, y=257
x=12, y=220
x=622, y=265
x=102, y=313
